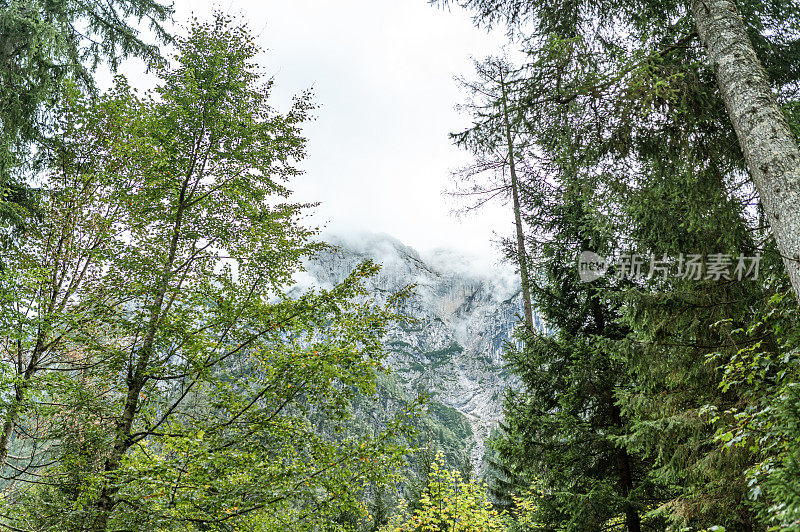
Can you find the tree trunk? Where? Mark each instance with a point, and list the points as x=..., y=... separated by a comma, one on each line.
x=633, y=522
x=106, y=500
x=8, y=430
x=20, y=391
x=527, y=307
x=769, y=148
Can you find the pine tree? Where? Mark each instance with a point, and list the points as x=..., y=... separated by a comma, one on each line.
x=44, y=42
x=500, y=154
x=504, y=482
x=735, y=37
x=564, y=427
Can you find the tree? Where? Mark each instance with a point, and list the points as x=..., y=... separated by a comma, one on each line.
x=500, y=152
x=564, y=426
x=188, y=382
x=46, y=42
x=505, y=483
x=766, y=371
x=657, y=180
x=648, y=128
x=449, y=503
x=769, y=146
x=52, y=286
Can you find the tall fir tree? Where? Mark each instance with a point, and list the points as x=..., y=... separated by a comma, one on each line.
x=43, y=42
x=649, y=109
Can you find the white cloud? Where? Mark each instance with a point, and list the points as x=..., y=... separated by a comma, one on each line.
x=382, y=71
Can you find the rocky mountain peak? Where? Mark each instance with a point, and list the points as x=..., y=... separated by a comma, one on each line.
x=464, y=317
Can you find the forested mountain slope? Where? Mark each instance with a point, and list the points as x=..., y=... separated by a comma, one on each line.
x=463, y=318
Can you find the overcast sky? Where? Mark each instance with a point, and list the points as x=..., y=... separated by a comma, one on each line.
x=382, y=73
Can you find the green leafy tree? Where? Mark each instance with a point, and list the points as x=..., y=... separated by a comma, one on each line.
x=187, y=383
x=765, y=372
x=53, y=288
x=449, y=503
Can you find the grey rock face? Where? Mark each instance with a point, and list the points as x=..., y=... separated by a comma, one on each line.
x=463, y=320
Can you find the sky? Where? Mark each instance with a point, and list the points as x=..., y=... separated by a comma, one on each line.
x=379, y=156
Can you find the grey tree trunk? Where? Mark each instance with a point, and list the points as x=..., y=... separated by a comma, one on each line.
x=25, y=373
x=770, y=149
x=527, y=307
x=123, y=441
x=5, y=437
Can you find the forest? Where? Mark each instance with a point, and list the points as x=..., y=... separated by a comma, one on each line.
x=158, y=372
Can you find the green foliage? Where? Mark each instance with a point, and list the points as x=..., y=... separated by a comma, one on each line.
x=448, y=503
x=505, y=484
x=442, y=356
x=766, y=372
x=189, y=388
x=563, y=426
x=633, y=155
x=44, y=43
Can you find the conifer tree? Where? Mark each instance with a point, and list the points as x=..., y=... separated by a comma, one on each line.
x=44, y=42
x=564, y=427
x=501, y=155
x=649, y=129
x=736, y=38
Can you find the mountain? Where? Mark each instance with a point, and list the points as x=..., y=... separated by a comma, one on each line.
x=463, y=318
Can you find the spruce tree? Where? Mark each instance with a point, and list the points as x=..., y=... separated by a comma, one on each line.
x=649, y=130
x=735, y=38
x=43, y=42
x=564, y=428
